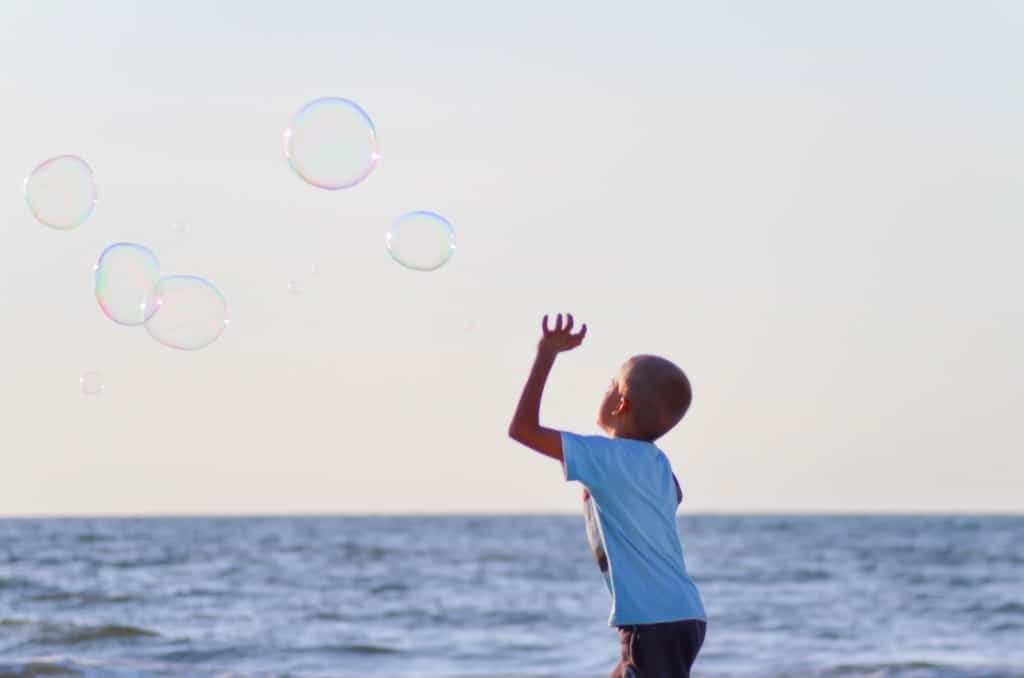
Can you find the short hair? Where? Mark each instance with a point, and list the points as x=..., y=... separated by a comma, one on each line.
x=659, y=392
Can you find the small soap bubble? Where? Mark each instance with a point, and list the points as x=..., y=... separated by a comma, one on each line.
x=61, y=192
x=332, y=143
x=125, y=276
x=189, y=312
x=422, y=241
x=91, y=383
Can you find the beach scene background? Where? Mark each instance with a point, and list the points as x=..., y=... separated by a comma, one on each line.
x=813, y=209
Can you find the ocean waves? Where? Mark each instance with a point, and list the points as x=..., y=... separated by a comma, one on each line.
x=828, y=597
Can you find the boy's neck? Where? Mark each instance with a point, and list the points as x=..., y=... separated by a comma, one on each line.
x=626, y=434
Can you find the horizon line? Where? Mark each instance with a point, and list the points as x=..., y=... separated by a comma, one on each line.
x=752, y=513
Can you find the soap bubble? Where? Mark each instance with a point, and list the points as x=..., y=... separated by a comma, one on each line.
x=91, y=383
x=60, y=192
x=125, y=275
x=422, y=241
x=331, y=143
x=190, y=313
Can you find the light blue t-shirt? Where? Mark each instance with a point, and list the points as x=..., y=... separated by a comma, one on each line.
x=630, y=506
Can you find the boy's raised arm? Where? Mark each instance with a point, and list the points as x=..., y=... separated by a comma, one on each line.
x=525, y=427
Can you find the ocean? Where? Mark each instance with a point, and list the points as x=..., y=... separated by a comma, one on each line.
x=475, y=596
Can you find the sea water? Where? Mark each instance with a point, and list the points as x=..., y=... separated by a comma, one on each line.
x=893, y=597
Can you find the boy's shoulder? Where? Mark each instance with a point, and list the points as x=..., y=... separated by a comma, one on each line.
x=629, y=456
x=618, y=449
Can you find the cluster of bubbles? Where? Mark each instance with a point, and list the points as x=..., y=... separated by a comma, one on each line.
x=180, y=311
x=330, y=144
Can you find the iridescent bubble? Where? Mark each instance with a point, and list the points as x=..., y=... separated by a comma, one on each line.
x=189, y=312
x=60, y=192
x=126, y=274
x=422, y=241
x=91, y=383
x=331, y=143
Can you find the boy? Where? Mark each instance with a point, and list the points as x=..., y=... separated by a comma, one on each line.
x=630, y=499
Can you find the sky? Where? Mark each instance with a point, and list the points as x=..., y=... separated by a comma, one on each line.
x=814, y=208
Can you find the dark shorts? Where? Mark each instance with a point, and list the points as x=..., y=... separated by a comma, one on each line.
x=659, y=650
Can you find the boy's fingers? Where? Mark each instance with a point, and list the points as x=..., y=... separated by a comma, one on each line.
x=558, y=323
x=583, y=332
x=544, y=325
x=568, y=322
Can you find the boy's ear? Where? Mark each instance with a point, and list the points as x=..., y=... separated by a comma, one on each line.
x=621, y=407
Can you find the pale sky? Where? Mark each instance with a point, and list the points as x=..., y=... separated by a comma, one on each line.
x=814, y=208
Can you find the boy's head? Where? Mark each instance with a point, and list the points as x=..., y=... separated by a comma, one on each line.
x=646, y=399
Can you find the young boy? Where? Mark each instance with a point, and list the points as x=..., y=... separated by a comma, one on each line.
x=630, y=499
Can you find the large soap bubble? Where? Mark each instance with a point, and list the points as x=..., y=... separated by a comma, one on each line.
x=190, y=313
x=126, y=274
x=61, y=192
x=332, y=143
x=420, y=240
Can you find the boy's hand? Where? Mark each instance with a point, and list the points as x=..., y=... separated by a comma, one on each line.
x=560, y=338
x=525, y=426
